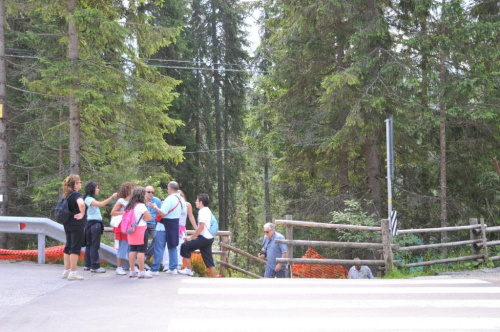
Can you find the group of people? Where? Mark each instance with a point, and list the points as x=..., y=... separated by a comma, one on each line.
x=163, y=222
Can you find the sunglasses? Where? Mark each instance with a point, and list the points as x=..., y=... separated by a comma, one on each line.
x=150, y=192
x=267, y=232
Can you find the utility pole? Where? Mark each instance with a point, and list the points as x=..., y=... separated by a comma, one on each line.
x=4, y=151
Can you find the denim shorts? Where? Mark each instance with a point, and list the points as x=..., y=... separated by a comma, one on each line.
x=123, y=250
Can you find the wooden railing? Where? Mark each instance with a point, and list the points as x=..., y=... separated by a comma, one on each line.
x=478, y=240
x=386, y=245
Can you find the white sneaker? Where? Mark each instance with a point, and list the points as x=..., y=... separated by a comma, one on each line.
x=75, y=276
x=186, y=272
x=154, y=273
x=65, y=274
x=144, y=275
x=165, y=268
x=120, y=271
x=99, y=270
x=174, y=271
x=133, y=274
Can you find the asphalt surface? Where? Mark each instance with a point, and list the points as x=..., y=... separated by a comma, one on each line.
x=34, y=298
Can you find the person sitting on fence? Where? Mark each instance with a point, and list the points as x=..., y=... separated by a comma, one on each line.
x=272, y=250
x=359, y=271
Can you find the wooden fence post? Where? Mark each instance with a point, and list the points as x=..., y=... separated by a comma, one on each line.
x=485, y=240
x=387, y=242
x=289, y=247
x=474, y=235
x=225, y=254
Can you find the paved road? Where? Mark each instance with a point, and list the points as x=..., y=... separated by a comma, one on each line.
x=34, y=298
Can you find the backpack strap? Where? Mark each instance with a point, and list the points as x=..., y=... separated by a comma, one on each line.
x=68, y=205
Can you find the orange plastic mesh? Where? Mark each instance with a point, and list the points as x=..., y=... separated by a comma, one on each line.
x=196, y=260
x=52, y=254
x=318, y=270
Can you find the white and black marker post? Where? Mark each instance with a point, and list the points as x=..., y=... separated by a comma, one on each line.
x=390, y=175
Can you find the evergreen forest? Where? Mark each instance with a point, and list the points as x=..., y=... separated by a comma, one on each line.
x=151, y=91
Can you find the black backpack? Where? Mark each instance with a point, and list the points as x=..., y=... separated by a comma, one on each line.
x=62, y=213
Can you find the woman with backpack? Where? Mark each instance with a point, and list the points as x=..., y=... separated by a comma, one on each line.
x=124, y=194
x=94, y=227
x=137, y=214
x=74, y=227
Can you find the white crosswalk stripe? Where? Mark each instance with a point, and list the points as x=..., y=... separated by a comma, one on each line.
x=206, y=304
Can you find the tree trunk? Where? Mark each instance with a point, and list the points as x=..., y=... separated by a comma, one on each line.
x=218, y=122
x=267, y=193
x=225, y=161
x=372, y=156
x=344, y=176
x=4, y=152
x=442, y=131
x=74, y=110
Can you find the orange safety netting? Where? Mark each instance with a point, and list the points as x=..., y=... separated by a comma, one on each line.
x=318, y=270
x=197, y=263
x=52, y=254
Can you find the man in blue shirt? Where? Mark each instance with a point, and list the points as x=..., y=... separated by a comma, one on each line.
x=151, y=202
x=272, y=250
x=167, y=231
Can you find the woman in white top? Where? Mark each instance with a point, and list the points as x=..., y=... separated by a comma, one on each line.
x=124, y=194
x=201, y=239
x=138, y=240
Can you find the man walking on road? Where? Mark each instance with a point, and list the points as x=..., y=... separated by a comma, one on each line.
x=272, y=250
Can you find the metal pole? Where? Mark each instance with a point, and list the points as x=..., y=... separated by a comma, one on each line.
x=41, y=248
x=388, y=123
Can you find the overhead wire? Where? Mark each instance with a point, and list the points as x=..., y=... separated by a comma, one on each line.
x=199, y=64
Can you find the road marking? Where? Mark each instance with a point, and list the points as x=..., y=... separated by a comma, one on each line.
x=339, y=304
x=332, y=323
x=333, y=282
x=337, y=290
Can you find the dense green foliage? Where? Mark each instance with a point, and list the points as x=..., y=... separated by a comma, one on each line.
x=164, y=95
x=339, y=68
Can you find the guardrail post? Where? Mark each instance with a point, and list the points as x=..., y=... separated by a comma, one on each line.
x=474, y=235
x=225, y=254
x=387, y=242
x=485, y=240
x=289, y=247
x=41, y=248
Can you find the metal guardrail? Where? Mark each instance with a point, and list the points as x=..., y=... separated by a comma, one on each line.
x=45, y=227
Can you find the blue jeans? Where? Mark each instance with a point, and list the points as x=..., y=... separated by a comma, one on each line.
x=93, y=240
x=160, y=242
x=151, y=231
x=271, y=273
x=169, y=237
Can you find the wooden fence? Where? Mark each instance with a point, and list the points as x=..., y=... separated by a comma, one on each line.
x=478, y=240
